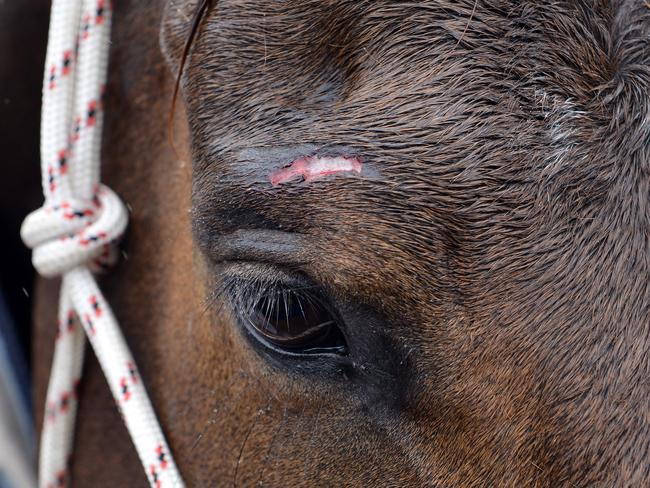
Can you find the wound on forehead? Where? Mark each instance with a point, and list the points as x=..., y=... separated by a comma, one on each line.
x=311, y=168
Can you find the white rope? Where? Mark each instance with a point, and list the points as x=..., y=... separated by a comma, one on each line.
x=76, y=231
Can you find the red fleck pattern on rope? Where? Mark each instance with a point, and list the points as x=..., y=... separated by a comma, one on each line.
x=76, y=231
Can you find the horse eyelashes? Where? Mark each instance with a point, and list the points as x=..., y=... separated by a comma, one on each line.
x=290, y=318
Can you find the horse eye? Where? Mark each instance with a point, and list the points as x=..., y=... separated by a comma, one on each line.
x=296, y=322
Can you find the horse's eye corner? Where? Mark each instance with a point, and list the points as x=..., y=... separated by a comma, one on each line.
x=290, y=319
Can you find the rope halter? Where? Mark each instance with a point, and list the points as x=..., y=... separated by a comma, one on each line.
x=76, y=232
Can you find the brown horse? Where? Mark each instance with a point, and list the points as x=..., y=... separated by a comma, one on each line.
x=469, y=307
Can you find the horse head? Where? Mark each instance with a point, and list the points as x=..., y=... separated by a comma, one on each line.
x=402, y=243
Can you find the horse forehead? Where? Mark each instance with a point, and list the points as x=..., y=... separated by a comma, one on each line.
x=312, y=74
x=360, y=74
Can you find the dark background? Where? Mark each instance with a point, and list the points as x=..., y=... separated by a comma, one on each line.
x=23, y=39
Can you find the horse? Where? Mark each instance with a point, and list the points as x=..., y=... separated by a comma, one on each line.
x=391, y=244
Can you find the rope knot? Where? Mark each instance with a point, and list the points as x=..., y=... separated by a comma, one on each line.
x=68, y=233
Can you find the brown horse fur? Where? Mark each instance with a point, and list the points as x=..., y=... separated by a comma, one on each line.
x=491, y=264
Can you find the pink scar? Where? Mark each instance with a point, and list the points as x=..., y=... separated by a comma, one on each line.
x=313, y=167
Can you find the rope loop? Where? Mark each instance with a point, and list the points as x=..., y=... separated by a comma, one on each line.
x=73, y=232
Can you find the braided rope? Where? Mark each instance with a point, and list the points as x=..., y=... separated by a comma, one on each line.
x=76, y=231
